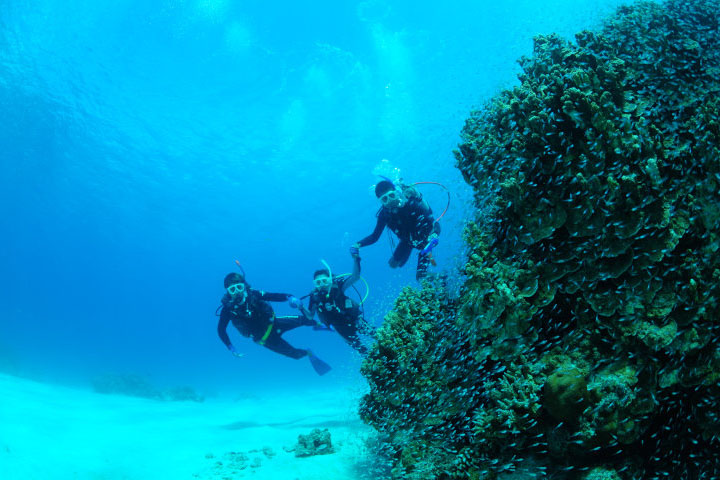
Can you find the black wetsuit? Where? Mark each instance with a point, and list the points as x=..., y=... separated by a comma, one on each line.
x=341, y=312
x=413, y=223
x=256, y=320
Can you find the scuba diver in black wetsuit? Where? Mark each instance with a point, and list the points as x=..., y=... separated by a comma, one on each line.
x=334, y=308
x=254, y=318
x=410, y=218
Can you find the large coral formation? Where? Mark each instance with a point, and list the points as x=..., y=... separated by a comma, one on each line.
x=565, y=394
x=585, y=341
x=317, y=442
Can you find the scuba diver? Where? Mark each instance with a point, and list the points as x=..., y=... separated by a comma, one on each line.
x=410, y=218
x=252, y=315
x=334, y=308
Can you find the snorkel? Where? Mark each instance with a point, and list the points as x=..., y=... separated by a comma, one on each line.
x=237, y=296
x=387, y=178
x=343, y=275
x=237, y=262
x=330, y=277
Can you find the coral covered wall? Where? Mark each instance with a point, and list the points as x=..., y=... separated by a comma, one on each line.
x=585, y=340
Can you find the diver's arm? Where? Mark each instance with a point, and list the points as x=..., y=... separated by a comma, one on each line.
x=309, y=312
x=354, y=277
x=426, y=220
x=436, y=228
x=222, y=329
x=274, y=297
x=375, y=235
x=306, y=313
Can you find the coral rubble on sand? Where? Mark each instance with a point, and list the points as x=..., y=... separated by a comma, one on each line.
x=235, y=464
x=584, y=342
x=317, y=442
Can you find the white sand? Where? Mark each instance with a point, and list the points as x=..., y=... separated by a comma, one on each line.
x=51, y=432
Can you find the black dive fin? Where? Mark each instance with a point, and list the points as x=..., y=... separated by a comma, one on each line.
x=320, y=367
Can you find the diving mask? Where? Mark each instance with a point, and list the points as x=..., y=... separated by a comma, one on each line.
x=392, y=198
x=236, y=288
x=322, y=282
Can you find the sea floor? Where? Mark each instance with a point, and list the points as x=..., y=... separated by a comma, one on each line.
x=53, y=432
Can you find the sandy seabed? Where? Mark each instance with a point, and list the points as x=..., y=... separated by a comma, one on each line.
x=51, y=432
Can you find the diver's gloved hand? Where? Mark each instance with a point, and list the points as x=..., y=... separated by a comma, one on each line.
x=235, y=352
x=319, y=327
x=432, y=243
x=393, y=262
x=294, y=302
x=355, y=250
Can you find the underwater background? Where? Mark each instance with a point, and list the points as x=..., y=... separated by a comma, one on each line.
x=569, y=330
x=145, y=146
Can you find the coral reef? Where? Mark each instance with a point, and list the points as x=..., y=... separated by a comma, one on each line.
x=565, y=394
x=317, y=442
x=585, y=341
x=130, y=385
x=138, y=386
x=183, y=394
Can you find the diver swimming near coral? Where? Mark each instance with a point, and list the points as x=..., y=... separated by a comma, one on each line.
x=334, y=308
x=410, y=218
x=249, y=311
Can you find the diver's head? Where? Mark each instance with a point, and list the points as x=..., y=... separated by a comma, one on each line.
x=236, y=286
x=322, y=280
x=388, y=195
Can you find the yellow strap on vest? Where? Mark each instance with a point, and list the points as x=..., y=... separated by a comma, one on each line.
x=267, y=332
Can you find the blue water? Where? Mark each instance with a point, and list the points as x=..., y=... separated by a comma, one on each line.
x=145, y=146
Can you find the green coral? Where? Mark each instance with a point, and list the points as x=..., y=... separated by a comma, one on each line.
x=602, y=474
x=513, y=403
x=566, y=394
x=618, y=407
x=587, y=325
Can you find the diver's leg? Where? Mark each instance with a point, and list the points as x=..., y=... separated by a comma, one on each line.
x=286, y=323
x=422, y=266
x=279, y=345
x=401, y=254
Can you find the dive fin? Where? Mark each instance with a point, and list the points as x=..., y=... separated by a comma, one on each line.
x=321, y=368
x=320, y=328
